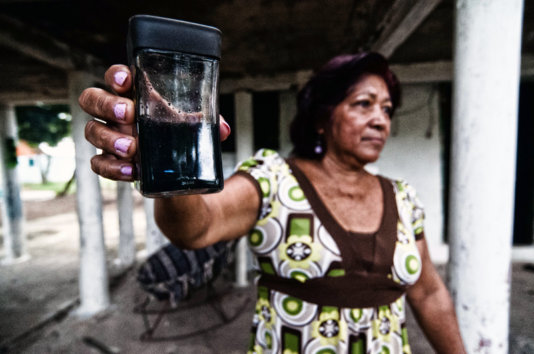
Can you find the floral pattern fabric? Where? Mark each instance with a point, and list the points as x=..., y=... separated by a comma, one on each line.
x=290, y=241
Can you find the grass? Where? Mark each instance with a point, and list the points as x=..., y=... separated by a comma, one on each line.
x=56, y=187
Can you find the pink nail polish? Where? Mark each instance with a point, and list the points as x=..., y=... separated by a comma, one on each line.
x=126, y=170
x=226, y=125
x=120, y=110
x=122, y=145
x=120, y=77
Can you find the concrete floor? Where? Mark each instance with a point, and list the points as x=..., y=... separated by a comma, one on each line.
x=39, y=298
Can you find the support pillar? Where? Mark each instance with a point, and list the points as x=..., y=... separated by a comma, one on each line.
x=126, y=228
x=244, y=149
x=154, y=237
x=484, y=143
x=12, y=209
x=93, y=279
x=288, y=110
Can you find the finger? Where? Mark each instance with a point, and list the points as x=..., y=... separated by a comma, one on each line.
x=126, y=129
x=224, y=128
x=110, y=140
x=107, y=106
x=119, y=78
x=109, y=166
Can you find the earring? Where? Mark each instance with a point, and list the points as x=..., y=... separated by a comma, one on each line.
x=318, y=145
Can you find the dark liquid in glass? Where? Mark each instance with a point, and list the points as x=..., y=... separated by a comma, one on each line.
x=179, y=158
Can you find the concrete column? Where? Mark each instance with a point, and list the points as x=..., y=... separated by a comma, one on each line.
x=484, y=142
x=12, y=210
x=154, y=237
x=126, y=228
x=288, y=110
x=244, y=149
x=244, y=125
x=93, y=280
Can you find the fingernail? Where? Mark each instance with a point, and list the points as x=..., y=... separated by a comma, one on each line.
x=122, y=145
x=120, y=110
x=120, y=77
x=126, y=170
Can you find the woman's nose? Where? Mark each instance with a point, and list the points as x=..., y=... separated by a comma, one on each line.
x=379, y=118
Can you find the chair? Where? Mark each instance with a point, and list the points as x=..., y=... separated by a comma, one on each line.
x=171, y=276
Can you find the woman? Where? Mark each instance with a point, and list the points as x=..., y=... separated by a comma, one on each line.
x=338, y=249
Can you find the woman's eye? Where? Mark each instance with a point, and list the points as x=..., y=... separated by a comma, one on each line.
x=388, y=110
x=363, y=103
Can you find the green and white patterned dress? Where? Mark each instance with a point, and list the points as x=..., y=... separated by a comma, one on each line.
x=322, y=289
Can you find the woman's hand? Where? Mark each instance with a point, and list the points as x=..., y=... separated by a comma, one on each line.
x=112, y=131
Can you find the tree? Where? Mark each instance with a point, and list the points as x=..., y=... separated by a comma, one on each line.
x=43, y=123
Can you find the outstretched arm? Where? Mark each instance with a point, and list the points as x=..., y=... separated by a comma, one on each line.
x=196, y=221
x=433, y=307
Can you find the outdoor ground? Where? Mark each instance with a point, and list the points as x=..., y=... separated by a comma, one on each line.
x=39, y=297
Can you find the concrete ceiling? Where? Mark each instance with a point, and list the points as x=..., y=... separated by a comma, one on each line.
x=41, y=40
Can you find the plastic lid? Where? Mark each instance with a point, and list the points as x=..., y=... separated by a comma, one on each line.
x=146, y=31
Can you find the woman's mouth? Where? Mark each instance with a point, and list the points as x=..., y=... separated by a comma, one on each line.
x=374, y=139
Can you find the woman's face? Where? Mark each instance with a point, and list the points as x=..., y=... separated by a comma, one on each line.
x=360, y=124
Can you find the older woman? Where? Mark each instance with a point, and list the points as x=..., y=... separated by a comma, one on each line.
x=337, y=248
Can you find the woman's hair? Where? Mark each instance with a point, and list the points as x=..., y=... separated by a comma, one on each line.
x=326, y=89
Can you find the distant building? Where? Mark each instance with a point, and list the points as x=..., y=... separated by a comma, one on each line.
x=31, y=161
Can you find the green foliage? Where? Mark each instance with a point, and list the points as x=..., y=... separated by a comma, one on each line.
x=11, y=153
x=56, y=187
x=46, y=123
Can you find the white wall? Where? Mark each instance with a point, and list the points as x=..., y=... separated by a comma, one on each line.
x=28, y=168
x=413, y=153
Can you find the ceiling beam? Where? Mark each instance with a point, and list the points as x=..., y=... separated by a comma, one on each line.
x=278, y=82
x=443, y=71
x=41, y=46
x=424, y=72
x=399, y=23
x=407, y=73
x=437, y=71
